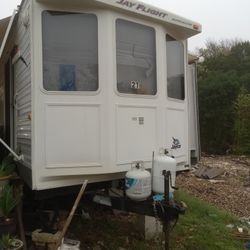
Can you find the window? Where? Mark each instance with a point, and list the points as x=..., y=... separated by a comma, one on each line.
x=70, y=57
x=136, y=58
x=175, y=69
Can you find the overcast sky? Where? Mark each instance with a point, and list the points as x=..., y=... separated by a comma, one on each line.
x=221, y=19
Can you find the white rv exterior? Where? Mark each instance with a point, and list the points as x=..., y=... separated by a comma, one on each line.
x=193, y=110
x=88, y=87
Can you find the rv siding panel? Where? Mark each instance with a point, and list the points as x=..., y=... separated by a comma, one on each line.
x=23, y=67
x=22, y=76
x=23, y=80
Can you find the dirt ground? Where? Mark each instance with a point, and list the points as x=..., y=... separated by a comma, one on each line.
x=230, y=191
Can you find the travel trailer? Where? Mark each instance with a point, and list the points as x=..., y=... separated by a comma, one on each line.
x=87, y=87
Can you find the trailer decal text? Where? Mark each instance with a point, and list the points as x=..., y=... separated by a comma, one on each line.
x=142, y=8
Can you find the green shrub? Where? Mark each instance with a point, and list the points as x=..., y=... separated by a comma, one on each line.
x=8, y=200
x=6, y=242
x=7, y=166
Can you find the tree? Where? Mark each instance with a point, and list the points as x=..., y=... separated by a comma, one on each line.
x=225, y=70
x=217, y=93
x=242, y=122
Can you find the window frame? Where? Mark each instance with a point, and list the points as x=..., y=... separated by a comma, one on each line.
x=144, y=23
x=77, y=92
x=184, y=44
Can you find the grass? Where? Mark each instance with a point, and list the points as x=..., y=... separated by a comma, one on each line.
x=203, y=227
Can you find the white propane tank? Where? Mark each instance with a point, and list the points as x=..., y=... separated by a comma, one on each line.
x=138, y=183
x=163, y=162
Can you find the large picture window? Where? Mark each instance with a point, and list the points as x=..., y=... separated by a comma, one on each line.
x=136, y=58
x=70, y=57
x=175, y=69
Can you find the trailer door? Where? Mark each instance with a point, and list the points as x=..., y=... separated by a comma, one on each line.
x=176, y=111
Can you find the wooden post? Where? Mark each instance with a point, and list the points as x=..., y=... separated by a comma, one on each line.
x=71, y=214
x=20, y=224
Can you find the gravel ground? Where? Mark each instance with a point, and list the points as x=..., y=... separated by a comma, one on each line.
x=231, y=193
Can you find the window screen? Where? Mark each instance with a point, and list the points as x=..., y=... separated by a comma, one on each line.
x=136, y=58
x=70, y=57
x=175, y=69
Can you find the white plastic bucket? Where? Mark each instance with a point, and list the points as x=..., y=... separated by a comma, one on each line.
x=69, y=244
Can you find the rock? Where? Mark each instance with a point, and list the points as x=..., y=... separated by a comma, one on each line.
x=127, y=240
x=41, y=239
x=85, y=215
x=216, y=181
x=96, y=247
x=183, y=204
x=100, y=243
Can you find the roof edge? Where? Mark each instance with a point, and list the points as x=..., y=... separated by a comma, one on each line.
x=144, y=9
x=6, y=36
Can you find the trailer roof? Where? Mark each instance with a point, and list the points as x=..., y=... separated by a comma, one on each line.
x=3, y=27
x=182, y=27
x=7, y=32
x=175, y=23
